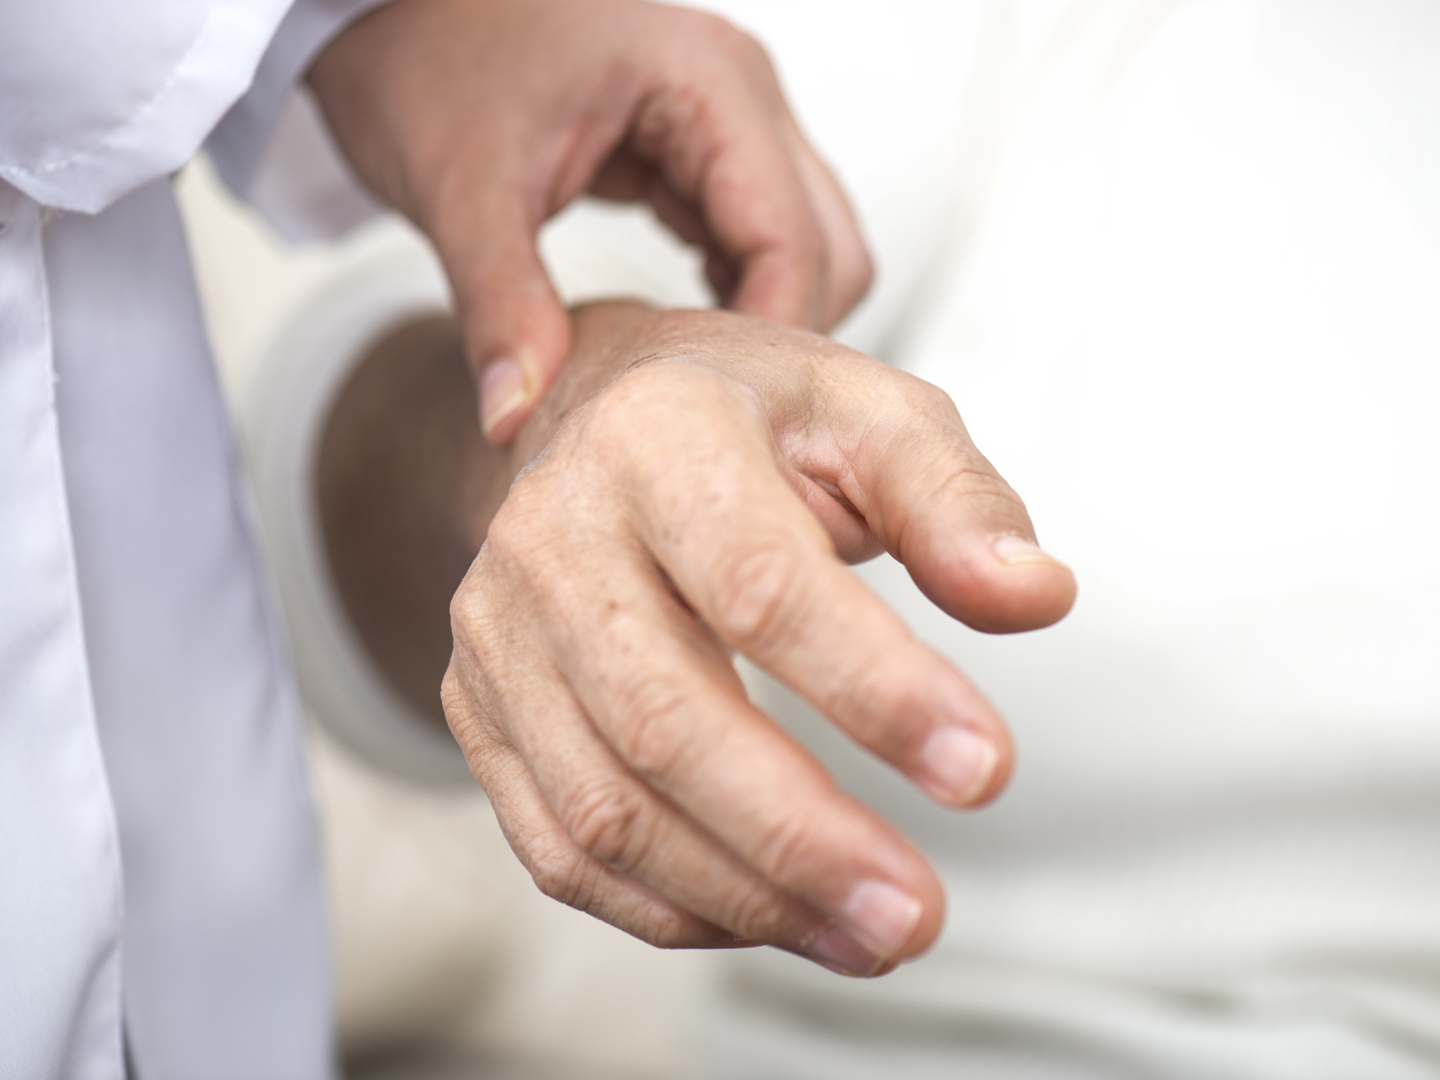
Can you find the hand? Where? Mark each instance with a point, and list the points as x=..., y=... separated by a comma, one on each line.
x=693, y=507
x=480, y=119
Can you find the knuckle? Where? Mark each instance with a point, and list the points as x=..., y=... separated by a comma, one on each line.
x=762, y=912
x=757, y=605
x=456, y=703
x=664, y=930
x=784, y=848
x=723, y=55
x=611, y=413
x=976, y=483
x=561, y=871
x=749, y=53
x=609, y=823
x=474, y=731
x=452, y=692
x=514, y=528
x=880, y=705
x=921, y=400
x=720, y=35
x=513, y=534
x=607, y=425
x=476, y=655
x=968, y=485
x=646, y=385
x=521, y=564
x=467, y=612
x=937, y=401
x=648, y=737
x=484, y=756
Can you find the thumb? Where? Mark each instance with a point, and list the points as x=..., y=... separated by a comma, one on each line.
x=517, y=333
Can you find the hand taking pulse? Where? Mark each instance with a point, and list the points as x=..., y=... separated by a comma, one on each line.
x=688, y=490
x=480, y=119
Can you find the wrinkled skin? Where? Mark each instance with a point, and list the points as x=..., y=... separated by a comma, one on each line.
x=690, y=490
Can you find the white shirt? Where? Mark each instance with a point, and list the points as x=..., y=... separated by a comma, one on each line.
x=147, y=717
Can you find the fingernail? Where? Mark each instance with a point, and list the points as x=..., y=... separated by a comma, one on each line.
x=961, y=761
x=1011, y=549
x=881, y=917
x=503, y=389
x=836, y=948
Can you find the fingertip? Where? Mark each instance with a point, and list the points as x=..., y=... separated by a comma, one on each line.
x=1040, y=589
x=1000, y=585
x=879, y=925
x=518, y=335
x=507, y=397
x=511, y=385
x=962, y=766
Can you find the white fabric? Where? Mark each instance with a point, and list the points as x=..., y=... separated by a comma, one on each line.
x=1191, y=316
x=60, y=900
x=226, y=971
x=243, y=137
x=100, y=98
x=152, y=626
x=273, y=148
x=300, y=183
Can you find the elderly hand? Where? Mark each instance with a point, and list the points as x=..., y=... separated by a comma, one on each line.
x=482, y=118
x=701, y=503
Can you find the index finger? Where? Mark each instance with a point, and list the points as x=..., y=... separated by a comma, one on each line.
x=758, y=569
x=727, y=150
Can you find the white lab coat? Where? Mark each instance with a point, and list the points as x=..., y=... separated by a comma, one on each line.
x=159, y=880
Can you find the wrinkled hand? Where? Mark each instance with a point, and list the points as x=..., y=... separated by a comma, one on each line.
x=480, y=119
x=701, y=503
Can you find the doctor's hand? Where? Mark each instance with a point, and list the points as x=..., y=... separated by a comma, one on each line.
x=692, y=489
x=480, y=119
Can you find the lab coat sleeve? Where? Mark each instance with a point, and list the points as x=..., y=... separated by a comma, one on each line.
x=273, y=149
x=98, y=99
